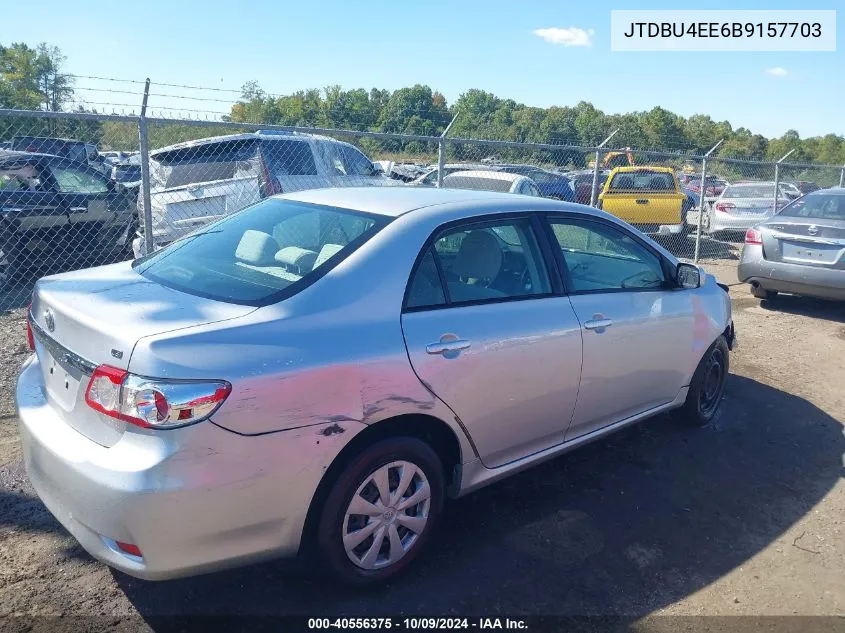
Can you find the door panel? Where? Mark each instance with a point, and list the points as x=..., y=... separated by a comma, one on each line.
x=514, y=388
x=634, y=363
x=637, y=328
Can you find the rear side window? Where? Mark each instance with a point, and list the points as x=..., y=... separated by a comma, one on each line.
x=642, y=181
x=289, y=158
x=480, y=263
x=263, y=254
x=73, y=180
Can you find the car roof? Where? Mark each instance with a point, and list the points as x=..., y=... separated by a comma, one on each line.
x=837, y=191
x=643, y=168
x=268, y=135
x=396, y=201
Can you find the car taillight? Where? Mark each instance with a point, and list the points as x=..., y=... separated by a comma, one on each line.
x=724, y=207
x=152, y=403
x=753, y=236
x=30, y=339
x=271, y=185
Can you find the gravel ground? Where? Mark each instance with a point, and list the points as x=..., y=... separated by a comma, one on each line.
x=742, y=518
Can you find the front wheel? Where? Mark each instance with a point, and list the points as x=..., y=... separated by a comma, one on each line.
x=707, y=386
x=381, y=511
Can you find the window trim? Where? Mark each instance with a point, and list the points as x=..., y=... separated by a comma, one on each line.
x=545, y=261
x=548, y=218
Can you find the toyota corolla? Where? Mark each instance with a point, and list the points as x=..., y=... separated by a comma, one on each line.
x=315, y=374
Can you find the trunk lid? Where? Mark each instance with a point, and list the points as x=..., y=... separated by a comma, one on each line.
x=644, y=207
x=92, y=317
x=803, y=241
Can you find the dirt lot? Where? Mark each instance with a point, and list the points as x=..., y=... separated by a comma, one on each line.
x=743, y=517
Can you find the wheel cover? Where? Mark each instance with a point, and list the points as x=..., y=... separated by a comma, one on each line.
x=713, y=382
x=386, y=516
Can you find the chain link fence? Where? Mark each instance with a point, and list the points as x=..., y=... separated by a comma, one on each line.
x=75, y=190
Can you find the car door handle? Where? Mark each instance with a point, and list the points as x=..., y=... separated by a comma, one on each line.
x=78, y=209
x=441, y=347
x=598, y=324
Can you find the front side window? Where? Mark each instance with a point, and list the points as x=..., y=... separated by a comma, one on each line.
x=600, y=257
x=74, y=180
x=480, y=262
x=263, y=254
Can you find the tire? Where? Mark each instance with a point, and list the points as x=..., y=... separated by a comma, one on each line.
x=761, y=293
x=707, y=386
x=356, y=483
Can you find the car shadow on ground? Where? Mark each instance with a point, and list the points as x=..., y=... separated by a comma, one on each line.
x=621, y=527
x=807, y=306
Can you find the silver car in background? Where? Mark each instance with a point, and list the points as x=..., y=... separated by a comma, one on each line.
x=801, y=250
x=315, y=374
x=740, y=207
x=483, y=180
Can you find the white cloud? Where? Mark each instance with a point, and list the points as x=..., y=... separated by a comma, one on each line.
x=573, y=36
x=777, y=71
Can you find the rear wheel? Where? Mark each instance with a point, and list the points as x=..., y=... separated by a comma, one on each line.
x=381, y=511
x=707, y=386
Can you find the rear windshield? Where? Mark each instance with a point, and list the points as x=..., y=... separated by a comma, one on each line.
x=749, y=191
x=457, y=181
x=642, y=181
x=820, y=207
x=225, y=160
x=263, y=254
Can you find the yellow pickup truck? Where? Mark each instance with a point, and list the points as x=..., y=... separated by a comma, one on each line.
x=650, y=198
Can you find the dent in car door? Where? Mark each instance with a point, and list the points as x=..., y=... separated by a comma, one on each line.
x=637, y=335
x=508, y=367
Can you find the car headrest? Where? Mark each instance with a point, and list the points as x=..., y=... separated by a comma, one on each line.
x=326, y=253
x=301, y=258
x=256, y=248
x=479, y=257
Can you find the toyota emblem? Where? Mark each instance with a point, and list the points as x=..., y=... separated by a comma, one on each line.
x=812, y=229
x=49, y=320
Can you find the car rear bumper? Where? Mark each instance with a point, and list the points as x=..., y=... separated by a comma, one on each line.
x=725, y=222
x=811, y=281
x=192, y=500
x=659, y=229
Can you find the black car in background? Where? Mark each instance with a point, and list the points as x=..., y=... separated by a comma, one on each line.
x=69, y=148
x=58, y=214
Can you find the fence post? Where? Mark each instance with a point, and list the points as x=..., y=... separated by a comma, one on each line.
x=144, y=141
x=594, y=188
x=441, y=152
x=777, y=178
x=701, y=204
x=842, y=176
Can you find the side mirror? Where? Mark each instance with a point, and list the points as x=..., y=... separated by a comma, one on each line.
x=688, y=276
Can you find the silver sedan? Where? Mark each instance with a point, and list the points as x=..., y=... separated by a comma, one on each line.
x=801, y=250
x=315, y=374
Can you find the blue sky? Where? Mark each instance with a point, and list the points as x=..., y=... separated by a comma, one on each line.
x=451, y=46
